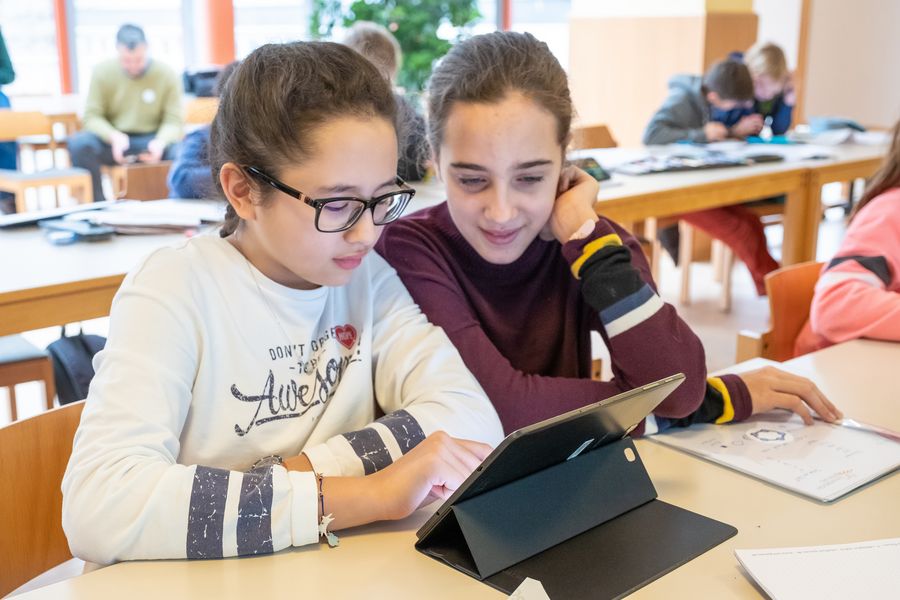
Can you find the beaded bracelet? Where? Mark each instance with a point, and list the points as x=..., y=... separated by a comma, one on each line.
x=326, y=520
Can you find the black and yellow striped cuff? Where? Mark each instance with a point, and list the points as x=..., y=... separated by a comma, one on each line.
x=590, y=248
x=727, y=407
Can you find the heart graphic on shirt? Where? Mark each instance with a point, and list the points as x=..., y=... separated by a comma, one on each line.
x=346, y=335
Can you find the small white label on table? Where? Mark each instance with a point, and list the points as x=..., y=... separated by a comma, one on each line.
x=530, y=589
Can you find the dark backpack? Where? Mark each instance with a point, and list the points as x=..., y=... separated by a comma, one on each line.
x=72, y=368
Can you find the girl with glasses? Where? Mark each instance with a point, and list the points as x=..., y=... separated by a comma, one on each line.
x=518, y=269
x=235, y=407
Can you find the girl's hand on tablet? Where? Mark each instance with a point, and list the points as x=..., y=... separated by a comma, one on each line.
x=432, y=470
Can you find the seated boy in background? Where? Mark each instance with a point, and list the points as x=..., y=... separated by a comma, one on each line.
x=190, y=175
x=709, y=109
x=773, y=86
x=382, y=49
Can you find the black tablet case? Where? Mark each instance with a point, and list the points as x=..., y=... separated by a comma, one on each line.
x=589, y=527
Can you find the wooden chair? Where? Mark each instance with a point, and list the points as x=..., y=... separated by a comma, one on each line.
x=200, y=111
x=790, y=292
x=21, y=362
x=592, y=136
x=33, y=457
x=16, y=124
x=139, y=181
x=722, y=254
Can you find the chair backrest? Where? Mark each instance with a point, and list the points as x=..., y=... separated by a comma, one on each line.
x=593, y=136
x=146, y=182
x=200, y=111
x=790, y=292
x=15, y=124
x=33, y=457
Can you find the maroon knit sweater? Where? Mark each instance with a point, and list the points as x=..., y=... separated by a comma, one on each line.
x=523, y=329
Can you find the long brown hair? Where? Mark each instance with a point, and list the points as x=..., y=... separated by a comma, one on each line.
x=279, y=95
x=887, y=177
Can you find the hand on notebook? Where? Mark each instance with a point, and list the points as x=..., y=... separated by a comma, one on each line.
x=576, y=194
x=772, y=388
x=747, y=126
x=432, y=470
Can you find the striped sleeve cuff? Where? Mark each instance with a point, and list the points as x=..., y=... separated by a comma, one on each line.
x=369, y=449
x=738, y=395
x=257, y=512
x=589, y=249
x=630, y=311
x=727, y=407
x=736, y=402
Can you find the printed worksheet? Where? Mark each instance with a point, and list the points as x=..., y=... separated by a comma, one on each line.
x=861, y=570
x=822, y=461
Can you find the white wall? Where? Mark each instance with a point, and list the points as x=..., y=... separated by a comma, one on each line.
x=779, y=22
x=853, y=60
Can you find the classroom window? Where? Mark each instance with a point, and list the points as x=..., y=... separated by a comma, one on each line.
x=29, y=31
x=272, y=21
x=96, y=22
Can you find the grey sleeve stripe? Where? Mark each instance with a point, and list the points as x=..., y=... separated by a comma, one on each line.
x=206, y=514
x=876, y=264
x=370, y=449
x=254, y=523
x=405, y=428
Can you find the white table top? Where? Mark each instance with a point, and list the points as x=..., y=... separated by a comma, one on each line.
x=379, y=561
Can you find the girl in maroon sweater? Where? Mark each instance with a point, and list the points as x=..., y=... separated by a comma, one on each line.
x=518, y=268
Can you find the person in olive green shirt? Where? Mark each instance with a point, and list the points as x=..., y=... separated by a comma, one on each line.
x=8, y=150
x=133, y=110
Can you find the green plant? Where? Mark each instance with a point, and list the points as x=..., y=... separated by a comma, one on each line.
x=413, y=22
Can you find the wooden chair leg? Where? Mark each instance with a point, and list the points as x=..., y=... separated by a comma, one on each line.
x=20, y=200
x=651, y=232
x=717, y=258
x=685, y=257
x=727, y=267
x=49, y=383
x=597, y=369
x=13, y=408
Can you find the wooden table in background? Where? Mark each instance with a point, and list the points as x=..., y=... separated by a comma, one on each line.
x=630, y=199
x=42, y=285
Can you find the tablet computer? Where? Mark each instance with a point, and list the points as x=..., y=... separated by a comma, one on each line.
x=555, y=440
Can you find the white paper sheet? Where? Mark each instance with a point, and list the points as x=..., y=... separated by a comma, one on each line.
x=822, y=461
x=862, y=570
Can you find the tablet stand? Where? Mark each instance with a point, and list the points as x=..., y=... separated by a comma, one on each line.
x=587, y=527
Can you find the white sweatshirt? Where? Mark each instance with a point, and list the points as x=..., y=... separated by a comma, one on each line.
x=210, y=366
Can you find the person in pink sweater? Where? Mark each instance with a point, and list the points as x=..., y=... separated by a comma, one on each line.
x=858, y=293
x=519, y=269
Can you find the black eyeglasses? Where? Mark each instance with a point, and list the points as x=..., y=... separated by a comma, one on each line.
x=342, y=213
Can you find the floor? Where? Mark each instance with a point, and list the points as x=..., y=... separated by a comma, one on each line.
x=716, y=329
